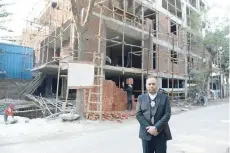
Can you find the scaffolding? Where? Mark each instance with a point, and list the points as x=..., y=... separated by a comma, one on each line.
x=53, y=36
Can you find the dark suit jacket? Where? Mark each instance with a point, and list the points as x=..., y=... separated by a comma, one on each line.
x=161, y=118
x=129, y=92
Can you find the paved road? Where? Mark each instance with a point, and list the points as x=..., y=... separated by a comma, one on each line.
x=204, y=130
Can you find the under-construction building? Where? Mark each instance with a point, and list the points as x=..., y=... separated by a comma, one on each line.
x=139, y=37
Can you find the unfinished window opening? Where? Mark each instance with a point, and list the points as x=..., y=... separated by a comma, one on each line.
x=191, y=15
x=181, y=83
x=164, y=4
x=171, y=6
x=193, y=3
x=132, y=56
x=131, y=8
x=194, y=42
x=137, y=8
x=164, y=83
x=57, y=52
x=202, y=6
x=174, y=56
x=150, y=14
x=167, y=83
x=189, y=41
x=214, y=62
x=176, y=83
x=173, y=83
x=188, y=16
x=127, y=5
x=48, y=87
x=173, y=27
x=190, y=62
x=132, y=53
x=178, y=9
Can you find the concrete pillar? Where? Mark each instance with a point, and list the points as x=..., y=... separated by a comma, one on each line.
x=186, y=88
x=222, y=85
x=48, y=88
x=45, y=55
x=159, y=82
x=50, y=54
x=148, y=54
x=208, y=88
x=184, y=15
x=64, y=88
x=198, y=5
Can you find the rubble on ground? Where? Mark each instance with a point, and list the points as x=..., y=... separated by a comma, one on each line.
x=112, y=116
x=69, y=117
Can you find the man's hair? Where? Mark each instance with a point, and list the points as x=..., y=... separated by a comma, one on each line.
x=151, y=77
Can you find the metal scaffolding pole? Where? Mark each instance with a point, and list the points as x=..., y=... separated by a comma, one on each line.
x=173, y=69
x=142, y=54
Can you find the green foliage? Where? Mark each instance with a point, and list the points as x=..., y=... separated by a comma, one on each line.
x=3, y=16
x=215, y=43
x=217, y=39
x=198, y=21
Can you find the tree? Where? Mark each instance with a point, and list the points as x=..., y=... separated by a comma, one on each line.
x=224, y=57
x=218, y=45
x=3, y=16
x=214, y=42
x=82, y=13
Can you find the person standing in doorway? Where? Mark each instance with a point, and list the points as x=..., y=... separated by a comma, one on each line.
x=129, y=90
x=153, y=112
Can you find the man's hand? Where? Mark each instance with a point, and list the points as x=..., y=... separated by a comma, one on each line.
x=152, y=130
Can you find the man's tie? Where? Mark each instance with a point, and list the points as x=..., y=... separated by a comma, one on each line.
x=153, y=103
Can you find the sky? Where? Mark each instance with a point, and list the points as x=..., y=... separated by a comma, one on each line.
x=22, y=8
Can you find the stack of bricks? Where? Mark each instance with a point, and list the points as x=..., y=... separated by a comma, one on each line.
x=114, y=103
x=119, y=100
x=114, y=99
x=109, y=88
x=134, y=103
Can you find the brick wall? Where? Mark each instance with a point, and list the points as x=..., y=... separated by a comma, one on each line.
x=165, y=63
x=163, y=27
x=90, y=40
x=165, y=32
x=114, y=99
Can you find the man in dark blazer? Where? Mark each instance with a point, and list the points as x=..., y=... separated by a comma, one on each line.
x=153, y=112
x=129, y=90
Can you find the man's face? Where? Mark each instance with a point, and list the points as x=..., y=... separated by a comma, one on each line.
x=151, y=85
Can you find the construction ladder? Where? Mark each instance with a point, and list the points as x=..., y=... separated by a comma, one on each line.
x=98, y=60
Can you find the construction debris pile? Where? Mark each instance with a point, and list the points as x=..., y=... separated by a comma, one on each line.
x=112, y=116
x=48, y=106
x=114, y=104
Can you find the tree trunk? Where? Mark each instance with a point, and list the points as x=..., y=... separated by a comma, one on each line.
x=204, y=87
x=209, y=71
x=227, y=81
x=80, y=92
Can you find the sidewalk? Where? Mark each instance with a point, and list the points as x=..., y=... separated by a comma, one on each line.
x=179, y=107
